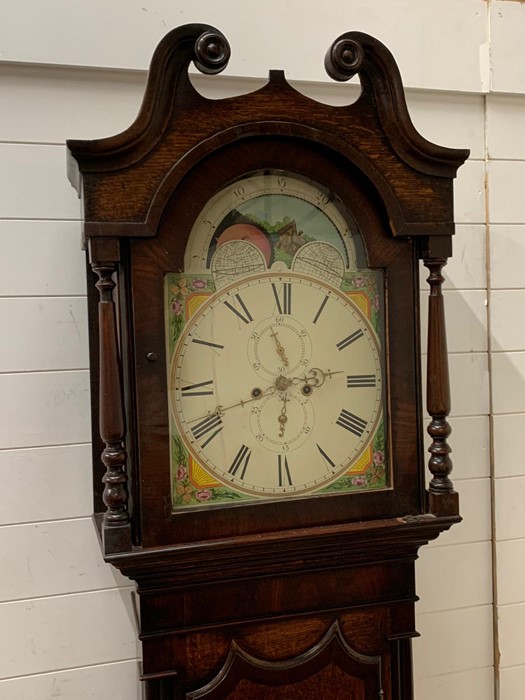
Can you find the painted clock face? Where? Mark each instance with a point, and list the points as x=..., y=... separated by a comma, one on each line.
x=275, y=378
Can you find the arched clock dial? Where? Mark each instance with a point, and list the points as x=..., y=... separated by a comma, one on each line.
x=277, y=212
x=276, y=384
x=275, y=338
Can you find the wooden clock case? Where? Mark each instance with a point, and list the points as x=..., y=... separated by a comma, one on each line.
x=310, y=597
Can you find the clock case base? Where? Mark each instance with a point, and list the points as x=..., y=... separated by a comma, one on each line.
x=320, y=609
x=315, y=613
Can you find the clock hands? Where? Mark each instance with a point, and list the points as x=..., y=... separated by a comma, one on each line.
x=313, y=378
x=220, y=410
x=282, y=417
x=280, y=349
x=317, y=377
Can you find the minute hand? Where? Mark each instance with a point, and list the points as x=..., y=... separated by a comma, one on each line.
x=221, y=410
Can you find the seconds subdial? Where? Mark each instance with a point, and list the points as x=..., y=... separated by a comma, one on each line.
x=279, y=346
x=274, y=434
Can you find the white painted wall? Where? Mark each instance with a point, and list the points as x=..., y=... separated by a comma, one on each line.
x=75, y=69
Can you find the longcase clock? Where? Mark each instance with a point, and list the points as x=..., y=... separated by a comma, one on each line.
x=259, y=467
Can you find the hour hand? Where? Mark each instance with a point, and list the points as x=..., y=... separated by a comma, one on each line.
x=280, y=349
x=315, y=377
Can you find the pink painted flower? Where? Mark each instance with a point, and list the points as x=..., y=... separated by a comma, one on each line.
x=359, y=281
x=182, y=473
x=203, y=495
x=379, y=458
x=358, y=481
x=375, y=302
x=198, y=284
x=176, y=307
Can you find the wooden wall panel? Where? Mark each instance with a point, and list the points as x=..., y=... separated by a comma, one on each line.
x=44, y=333
x=112, y=681
x=41, y=258
x=44, y=408
x=53, y=558
x=59, y=632
x=32, y=183
x=45, y=483
x=84, y=34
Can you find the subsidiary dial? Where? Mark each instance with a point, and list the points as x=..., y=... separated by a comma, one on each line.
x=282, y=421
x=279, y=346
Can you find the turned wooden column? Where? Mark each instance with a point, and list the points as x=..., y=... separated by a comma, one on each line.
x=116, y=519
x=443, y=500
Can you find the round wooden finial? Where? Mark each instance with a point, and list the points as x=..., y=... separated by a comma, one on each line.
x=344, y=59
x=212, y=52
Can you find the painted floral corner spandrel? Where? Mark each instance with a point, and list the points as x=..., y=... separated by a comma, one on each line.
x=373, y=476
x=192, y=485
x=186, y=491
x=364, y=287
x=179, y=287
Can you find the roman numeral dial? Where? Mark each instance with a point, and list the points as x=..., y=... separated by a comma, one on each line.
x=240, y=463
x=238, y=307
x=207, y=429
x=207, y=343
x=325, y=456
x=199, y=389
x=283, y=471
x=283, y=297
x=361, y=380
x=349, y=421
x=321, y=309
x=276, y=386
x=342, y=344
